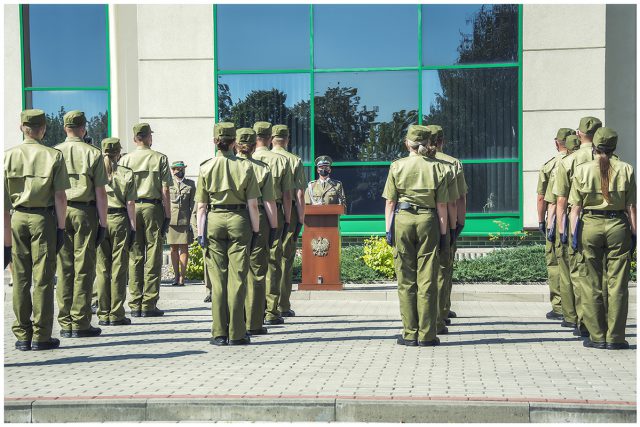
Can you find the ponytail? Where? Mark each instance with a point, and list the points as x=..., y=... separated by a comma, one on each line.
x=605, y=174
x=110, y=163
x=245, y=149
x=224, y=144
x=427, y=150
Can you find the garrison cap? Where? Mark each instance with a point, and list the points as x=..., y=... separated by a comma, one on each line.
x=280, y=131
x=323, y=161
x=563, y=133
x=605, y=139
x=224, y=130
x=436, y=131
x=111, y=145
x=572, y=142
x=178, y=164
x=262, y=129
x=246, y=136
x=74, y=119
x=142, y=129
x=589, y=125
x=33, y=118
x=418, y=133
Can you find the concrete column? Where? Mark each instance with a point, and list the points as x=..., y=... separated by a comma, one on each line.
x=12, y=76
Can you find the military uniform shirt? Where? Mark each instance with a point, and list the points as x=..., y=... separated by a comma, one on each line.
x=85, y=166
x=452, y=181
x=264, y=178
x=32, y=175
x=548, y=186
x=545, y=174
x=295, y=164
x=585, y=187
x=182, y=196
x=418, y=180
x=226, y=180
x=151, y=171
x=325, y=192
x=280, y=172
x=566, y=168
x=121, y=189
x=459, y=172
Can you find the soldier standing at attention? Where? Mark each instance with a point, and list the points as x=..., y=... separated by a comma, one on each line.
x=35, y=180
x=324, y=190
x=228, y=190
x=564, y=177
x=182, y=194
x=85, y=229
x=603, y=192
x=282, y=184
x=550, y=254
x=566, y=146
x=153, y=213
x=416, y=193
x=280, y=142
x=113, y=253
x=259, y=259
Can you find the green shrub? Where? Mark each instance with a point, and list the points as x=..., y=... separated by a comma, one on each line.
x=378, y=256
x=519, y=264
x=195, y=266
x=353, y=268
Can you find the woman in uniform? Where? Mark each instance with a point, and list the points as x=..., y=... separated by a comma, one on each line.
x=113, y=252
x=227, y=186
x=416, y=223
x=182, y=194
x=603, y=193
x=259, y=258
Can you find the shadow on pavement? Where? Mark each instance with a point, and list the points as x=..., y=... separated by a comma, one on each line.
x=92, y=359
x=387, y=337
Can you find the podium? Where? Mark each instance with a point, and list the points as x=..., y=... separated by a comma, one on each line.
x=321, y=246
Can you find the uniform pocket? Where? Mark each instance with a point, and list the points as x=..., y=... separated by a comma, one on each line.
x=581, y=264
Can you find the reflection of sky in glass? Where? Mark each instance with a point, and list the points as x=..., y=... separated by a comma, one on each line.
x=390, y=91
x=254, y=37
x=365, y=36
x=441, y=28
x=91, y=102
x=430, y=88
x=68, y=45
x=296, y=86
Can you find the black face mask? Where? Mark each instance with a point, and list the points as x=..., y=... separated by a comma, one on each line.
x=323, y=172
x=180, y=174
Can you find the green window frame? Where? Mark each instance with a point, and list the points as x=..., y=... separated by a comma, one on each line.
x=107, y=88
x=477, y=224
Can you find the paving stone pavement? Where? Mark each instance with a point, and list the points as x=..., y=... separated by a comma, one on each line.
x=494, y=351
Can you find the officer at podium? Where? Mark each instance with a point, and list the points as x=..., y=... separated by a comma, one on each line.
x=324, y=190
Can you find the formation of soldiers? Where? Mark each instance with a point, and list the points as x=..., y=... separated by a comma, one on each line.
x=100, y=216
x=587, y=213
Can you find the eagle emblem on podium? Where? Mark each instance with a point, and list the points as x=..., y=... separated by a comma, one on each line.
x=320, y=246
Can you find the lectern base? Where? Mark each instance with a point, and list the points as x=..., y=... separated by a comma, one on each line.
x=320, y=287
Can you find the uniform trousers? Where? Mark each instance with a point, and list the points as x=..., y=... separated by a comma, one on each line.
x=111, y=272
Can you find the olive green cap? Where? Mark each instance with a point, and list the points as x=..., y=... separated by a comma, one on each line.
x=280, y=131
x=589, y=125
x=418, y=133
x=245, y=136
x=572, y=142
x=563, y=133
x=436, y=131
x=74, y=119
x=323, y=161
x=224, y=130
x=142, y=129
x=178, y=164
x=262, y=129
x=111, y=145
x=605, y=139
x=33, y=118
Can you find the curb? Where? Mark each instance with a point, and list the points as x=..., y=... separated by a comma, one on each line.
x=324, y=409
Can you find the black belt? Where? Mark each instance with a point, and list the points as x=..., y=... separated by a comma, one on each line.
x=403, y=206
x=152, y=201
x=116, y=210
x=228, y=207
x=81, y=204
x=610, y=214
x=30, y=209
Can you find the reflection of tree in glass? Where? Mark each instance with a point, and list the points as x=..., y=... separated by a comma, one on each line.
x=97, y=128
x=494, y=36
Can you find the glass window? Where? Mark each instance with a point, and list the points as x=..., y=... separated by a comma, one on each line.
x=57, y=103
x=478, y=110
x=355, y=36
x=363, y=186
x=64, y=45
x=364, y=116
x=493, y=187
x=276, y=98
x=469, y=34
x=267, y=37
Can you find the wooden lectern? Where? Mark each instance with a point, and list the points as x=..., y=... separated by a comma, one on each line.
x=321, y=248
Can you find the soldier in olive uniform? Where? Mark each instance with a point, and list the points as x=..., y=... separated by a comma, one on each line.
x=35, y=180
x=182, y=194
x=86, y=205
x=416, y=222
x=550, y=254
x=603, y=192
x=153, y=213
x=324, y=190
x=564, y=176
x=559, y=252
x=283, y=184
x=259, y=261
x=280, y=142
x=227, y=194
x=113, y=253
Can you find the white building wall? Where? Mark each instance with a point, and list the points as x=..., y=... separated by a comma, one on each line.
x=12, y=76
